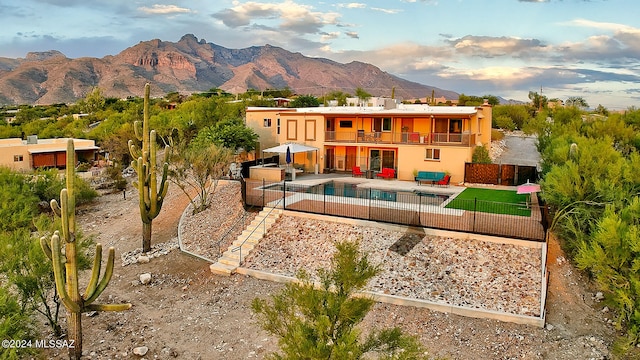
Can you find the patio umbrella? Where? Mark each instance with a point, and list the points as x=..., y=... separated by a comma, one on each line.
x=292, y=148
x=288, y=157
x=528, y=188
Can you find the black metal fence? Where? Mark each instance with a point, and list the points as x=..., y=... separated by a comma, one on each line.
x=435, y=209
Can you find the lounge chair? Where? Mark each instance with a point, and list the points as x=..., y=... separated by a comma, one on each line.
x=387, y=173
x=444, y=181
x=355, y=171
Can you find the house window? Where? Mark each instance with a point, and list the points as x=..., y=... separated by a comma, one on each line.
x=17, y=158
x=278, y=126
x=346, y=123
x=310, y=130
x=381, y=124
x=432, y=154
x=267, y=122
x=292, y=129
x=386, y=124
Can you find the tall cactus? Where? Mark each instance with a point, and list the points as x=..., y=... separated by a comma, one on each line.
x=151, y=197
x=65, y=265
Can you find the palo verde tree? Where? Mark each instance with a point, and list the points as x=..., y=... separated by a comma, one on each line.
x=145, y=163
x=321, y=322
x=65, y=264
x=199, y=167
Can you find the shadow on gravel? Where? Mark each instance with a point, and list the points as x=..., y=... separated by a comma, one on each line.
x=412, y=237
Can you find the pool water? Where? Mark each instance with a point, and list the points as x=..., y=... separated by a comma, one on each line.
x=351, y=190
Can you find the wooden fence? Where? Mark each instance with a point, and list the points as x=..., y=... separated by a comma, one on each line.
x=499, y=174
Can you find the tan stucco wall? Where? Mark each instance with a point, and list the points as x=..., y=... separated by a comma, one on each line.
x=452, y=160
x=11, y=147
x=266, y=135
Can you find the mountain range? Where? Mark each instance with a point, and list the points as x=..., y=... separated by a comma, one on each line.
x=191, y=65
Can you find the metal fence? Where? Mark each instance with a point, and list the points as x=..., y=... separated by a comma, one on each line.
x=415, y=208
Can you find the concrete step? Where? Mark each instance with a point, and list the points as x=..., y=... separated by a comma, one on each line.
x=227, y=259
x=246, y=248
x=261, y=222
x=222, y=269
x=253, y=239
x=254, y=235
x=246, y=245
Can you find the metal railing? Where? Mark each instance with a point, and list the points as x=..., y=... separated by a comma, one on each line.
x=413, y=138
x=416, y=208
x=264, y=229
x=239, y=224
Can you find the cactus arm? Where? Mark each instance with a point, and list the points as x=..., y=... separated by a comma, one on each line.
x=56, y=208
x=64, y=213
x=95, y=273
x=153, y=183
x=137, y=130
x=46, y=247
x=108, y=272
x=59, y=275
x=106, y=307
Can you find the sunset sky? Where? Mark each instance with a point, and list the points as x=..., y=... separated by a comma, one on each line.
x=502, y=47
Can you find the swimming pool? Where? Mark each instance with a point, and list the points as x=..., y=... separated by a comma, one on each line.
x=352, y=190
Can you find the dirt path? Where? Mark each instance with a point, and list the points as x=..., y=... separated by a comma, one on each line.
x=188, y=313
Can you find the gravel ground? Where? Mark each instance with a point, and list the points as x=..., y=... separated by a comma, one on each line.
x=448, y=270
x=186, y=312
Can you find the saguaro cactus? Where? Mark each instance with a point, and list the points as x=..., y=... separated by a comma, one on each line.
x=151, y=195
x=65, y=265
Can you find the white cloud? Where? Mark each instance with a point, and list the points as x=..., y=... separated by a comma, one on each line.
x=599, y=25
x=163, y=9
x=353, y=6
x=387, y=11
x=294, y=17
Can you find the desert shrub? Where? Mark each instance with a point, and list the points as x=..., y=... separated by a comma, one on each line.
x=321, y=323
x=505, y=122
x=481, y=155
x=14, y=324
x=496, y=135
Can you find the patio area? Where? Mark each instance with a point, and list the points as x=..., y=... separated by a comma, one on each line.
x=397, y=202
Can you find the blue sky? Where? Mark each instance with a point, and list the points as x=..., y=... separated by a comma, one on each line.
x=587, y=48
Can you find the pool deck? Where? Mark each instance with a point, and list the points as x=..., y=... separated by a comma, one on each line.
x=380, y=184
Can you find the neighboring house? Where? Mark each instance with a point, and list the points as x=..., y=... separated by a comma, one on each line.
x=407, y=137
x=25, y=155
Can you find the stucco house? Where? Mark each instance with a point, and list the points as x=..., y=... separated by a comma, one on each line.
x=25, y=155
x=405, y=137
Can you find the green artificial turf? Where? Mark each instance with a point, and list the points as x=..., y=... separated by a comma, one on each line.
x=491, y=201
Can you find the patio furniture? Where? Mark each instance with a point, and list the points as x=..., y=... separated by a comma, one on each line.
x=355, y=171
x=429, y=176
x=444, y=181
x=387, y=173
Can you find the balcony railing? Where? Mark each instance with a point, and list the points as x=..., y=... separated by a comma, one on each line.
x=416, y=138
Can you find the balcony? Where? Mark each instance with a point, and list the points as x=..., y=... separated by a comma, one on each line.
x=411, y=138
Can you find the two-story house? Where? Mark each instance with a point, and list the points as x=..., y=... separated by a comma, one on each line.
x=405, y=137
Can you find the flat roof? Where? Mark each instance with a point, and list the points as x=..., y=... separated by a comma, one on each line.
x=401, y=109
x=61, y=149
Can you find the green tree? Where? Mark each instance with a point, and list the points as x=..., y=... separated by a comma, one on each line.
x=576, y=101
x=305, y=101
x=340, y=96
x=321, y=323
x=362, y=96
x=538, y=101
x=480, y=155
x=230, y=134
x=93, y=101
x=199, y=167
